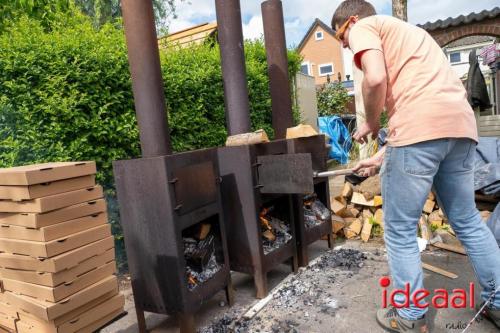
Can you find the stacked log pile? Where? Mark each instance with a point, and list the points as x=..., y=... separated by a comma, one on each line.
x=358, y=213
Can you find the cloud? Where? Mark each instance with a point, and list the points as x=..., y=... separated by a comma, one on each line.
x=300, y=14
x=254, y=29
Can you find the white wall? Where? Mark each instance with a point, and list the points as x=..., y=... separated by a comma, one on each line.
x=347, y=58
x=462, y=67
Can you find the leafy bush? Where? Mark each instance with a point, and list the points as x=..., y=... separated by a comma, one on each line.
x=66, y=95
x=332, y=99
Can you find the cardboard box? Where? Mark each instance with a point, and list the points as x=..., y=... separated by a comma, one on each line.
x=49, y=233
x=52, y=202
x=58, y=263
x=7, y=309
x=55, y=247
x=101, y=322
x=49, y=311
x=35, y=220
x=46, y=172
x=5, y=330
x=75, y=323
x=70, y=316
x=56, y=279
x=20, y=192
x=56, y=294
x=7, y=321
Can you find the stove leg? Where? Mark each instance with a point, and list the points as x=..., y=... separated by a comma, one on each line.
x=330, y=241
x=303, y=256
x=230, y=293
x=295, y=263
x=260, y=280
x=186, y=323
x=141, y=319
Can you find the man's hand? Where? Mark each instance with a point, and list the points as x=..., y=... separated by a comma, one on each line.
x=371, y=166
x=361, y=135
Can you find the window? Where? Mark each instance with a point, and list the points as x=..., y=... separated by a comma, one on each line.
x=304, y=68
x=455, y=57
x=319, y=35
x=325, y=69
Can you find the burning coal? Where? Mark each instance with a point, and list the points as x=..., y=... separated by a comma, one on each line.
x=201, y=261
x=315, y=212
x=275, y=233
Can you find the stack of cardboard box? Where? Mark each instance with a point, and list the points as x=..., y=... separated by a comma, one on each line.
x=57, y=260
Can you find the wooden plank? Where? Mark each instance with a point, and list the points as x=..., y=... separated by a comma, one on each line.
x=494, y=133
x=488, y=122
x=439, y=271
x=496, y=117
x=452, y=248
x=489, y=128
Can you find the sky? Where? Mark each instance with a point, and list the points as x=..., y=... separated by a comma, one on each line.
x=300, y=14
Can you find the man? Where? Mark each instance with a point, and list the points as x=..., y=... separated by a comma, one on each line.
x=431, y=143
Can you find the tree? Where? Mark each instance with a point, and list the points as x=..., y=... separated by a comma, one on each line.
x=400, y=9
x=103, y=11
x=332, y=99
x=41, y=10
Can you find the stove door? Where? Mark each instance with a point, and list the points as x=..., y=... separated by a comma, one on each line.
x=285, y=174
x=195, y=187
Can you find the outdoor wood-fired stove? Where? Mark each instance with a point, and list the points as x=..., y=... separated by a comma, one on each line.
x=310, y=229
x=261, y=227
x=306, y=232
x=172, y=219
x=170, y=204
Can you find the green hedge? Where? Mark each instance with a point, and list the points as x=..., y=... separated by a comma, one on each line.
x=66, y=95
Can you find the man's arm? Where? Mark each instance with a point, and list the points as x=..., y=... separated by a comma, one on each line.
x=374, y=84
x=370, y=166
x=374, y=88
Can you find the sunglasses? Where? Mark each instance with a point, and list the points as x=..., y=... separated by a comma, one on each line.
x=339, y=35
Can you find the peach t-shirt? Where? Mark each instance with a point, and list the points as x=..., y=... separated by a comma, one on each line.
x=425, y=98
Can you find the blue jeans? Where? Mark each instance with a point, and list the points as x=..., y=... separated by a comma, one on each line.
x=408, y=175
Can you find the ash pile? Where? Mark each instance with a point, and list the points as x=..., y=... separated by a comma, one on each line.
x=315, y=212
x=201, y=260
x=228, y=323
x=346, y=258
x=304, y=298
x=275, y=233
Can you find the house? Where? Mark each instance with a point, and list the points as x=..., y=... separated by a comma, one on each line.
x=458, y=52
x=193, y=35
x=322, y=54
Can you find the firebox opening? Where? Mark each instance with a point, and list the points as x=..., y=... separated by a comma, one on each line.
x=203, y=251
x=315, y=210
x=274, y=218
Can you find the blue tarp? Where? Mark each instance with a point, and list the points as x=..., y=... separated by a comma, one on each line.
x=340, y=139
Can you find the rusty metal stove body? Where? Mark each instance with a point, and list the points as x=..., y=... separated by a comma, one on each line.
x=243, y=200
x=276, y=50
x=164, y=197
x=315, y=146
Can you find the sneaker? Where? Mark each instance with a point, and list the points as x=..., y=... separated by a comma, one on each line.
x=492, y=314
x=391, y=321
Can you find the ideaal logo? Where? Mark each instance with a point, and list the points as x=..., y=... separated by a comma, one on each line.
x=441, y=298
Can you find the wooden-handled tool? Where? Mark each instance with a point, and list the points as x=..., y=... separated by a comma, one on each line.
x=334, y=173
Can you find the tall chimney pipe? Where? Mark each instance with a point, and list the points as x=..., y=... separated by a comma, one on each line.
x=147, y=82
x=277, y=64
x=230, y=32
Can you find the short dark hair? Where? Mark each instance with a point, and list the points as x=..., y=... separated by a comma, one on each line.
x=349, y=8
